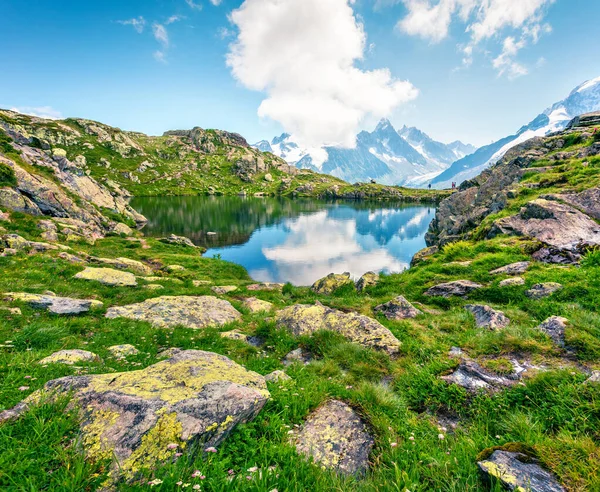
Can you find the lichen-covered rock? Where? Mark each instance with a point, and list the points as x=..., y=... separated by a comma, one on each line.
x=277, y=377
x=335, y=437
x=188, y=311
x=303, y=319
x=193, y=399
x=297, y=355
x=255, y=305
x=511, y=282
x=175, y=268
x=108, y=276
x=135, y=266
x=423, y=255
x=588, y=201
x=70, y=357
x=178, y=240
x=369, y=279
x=54, y=304
x=539, y=291
x=269, y=286
x=398, y=309
x=121, y=228
x=486, y=317
x=122, y=351
x=473, y=377
x=223, y=289
x=518, y=268
x=555, y=327
x=332, y=282
x=519, y=472
x=455, y=288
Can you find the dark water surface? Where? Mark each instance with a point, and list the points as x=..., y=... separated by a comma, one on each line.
x=297, y=241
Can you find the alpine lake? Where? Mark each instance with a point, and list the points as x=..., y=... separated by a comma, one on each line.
x=294, y=240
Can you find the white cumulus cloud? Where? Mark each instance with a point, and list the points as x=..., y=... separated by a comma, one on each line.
x=303, y=54
x=47, y=112
x=483, y=20
x=138, y=23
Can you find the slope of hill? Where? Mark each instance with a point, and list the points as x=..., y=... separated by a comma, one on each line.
x=583, y=99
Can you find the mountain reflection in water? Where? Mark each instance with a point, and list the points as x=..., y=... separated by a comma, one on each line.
x=297, y=241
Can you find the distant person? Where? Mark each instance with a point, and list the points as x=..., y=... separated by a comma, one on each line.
x=453, y=185
x=429, y=185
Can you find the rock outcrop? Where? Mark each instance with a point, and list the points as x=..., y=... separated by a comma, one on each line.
x=194, y=397
x=335, y=437
x=189, y=311
x=303, y=319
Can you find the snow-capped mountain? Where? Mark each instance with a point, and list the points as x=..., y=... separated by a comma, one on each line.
x=408, y=156
x=583, y=99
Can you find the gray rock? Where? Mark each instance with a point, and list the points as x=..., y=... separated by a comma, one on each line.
x=398, y=309
x=277, y=377
x=297, y=355
x=486, y=317
x=178, y=240
x=594, y=378
x=518, y=472
x=555, y=327
x=268, y=286
x=456, y=288
x=587, y=201
x=474, y=378
x=329, y=284
x=513, y=269
x=54, y=304
x=539, y=291
x=369, y=279
x=223, y=289
x=70, y=357
x=122, y=351
x=455, y=352
x=194, y=399
x=108, y=276
x=335, y=436
x=188, y=311
x=511, y=282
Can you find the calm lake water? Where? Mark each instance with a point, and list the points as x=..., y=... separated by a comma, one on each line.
x=297, y=241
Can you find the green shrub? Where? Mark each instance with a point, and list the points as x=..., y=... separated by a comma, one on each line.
x=7, y=176
x=591, y=260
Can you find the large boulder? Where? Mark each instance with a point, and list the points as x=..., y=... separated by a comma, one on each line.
x=486, y=317
x=193, y=398
x=54, y=304
x=188, y=311
x=518, y=472
x=554, y=224
x=398, y=309
x=303, y=319
x=332, y=282
x=335, y=436
x=108, y=276
x=455, y=288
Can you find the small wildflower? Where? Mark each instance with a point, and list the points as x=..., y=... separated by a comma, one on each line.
x=253, y=469
x=394, y=444
x=274, y=490
x=23, y=388
x=441, y=437
x=498, y=437
x=177, y=455
x=172, y=446
x=196, y=487
x=179, y=483
x=156, y=481
x=348, y=387
x=210, y=450
x=230, y=472
x=412, y=438
x=196, y=474
x=27, y=377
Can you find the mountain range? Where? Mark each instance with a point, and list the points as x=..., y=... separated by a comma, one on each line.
x=410, y=157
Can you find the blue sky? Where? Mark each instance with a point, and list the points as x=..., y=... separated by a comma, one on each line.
x=75, y=58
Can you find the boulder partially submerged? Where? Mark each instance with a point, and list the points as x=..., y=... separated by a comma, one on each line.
x=303, y=319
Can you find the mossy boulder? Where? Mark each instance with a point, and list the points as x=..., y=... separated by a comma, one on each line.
x=332, y=282
x=369, y=279
x=194, y=398
x=303, y=319
x=108, y=276
x=70, y=357
x=188, y=311
x=335, y=437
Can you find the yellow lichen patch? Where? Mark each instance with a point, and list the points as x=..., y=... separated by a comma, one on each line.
x=501, y=472
x=96, y=445
x=154, y=446
x=173, y=382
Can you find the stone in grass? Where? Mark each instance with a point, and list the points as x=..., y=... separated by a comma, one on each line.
x=474, y=378
x=135, y=266
x=178, y=240
x=189, y=311
x=369, y=279
x=303, y=319
x=269, y=286
x=518, y=268
x=455, y=288
x=332, y=282
x=594, y=378
x=54, y=304
x=518, y=472
x=70, y=357
x=277, y=377
x=398, y=309
x=335, y=437
x=539, y=291
x=193, y=400
x=511, y=282
x=223, y=289
x=255, y=305
x=122, y=351
x=174, y=268
x=200, y=283
x=486, y=317
x=297, y=355
x=555, y=327
x=154, y=287
x=108, y=276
